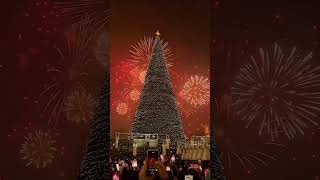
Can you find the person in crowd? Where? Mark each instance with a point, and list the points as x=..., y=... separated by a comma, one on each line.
x=207, y=174
x=195, y=174
x=181, y=173
x=124, y=173
x=161, y=175
x=174, y=172
x=206, y=170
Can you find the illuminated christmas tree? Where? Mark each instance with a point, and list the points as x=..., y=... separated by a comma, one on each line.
x=157, y=111
x=216, y=166
x=95, y=163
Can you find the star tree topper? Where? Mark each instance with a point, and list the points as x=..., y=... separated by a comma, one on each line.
x=158, y=33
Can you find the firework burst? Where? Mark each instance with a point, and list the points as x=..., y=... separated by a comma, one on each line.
x=141, y=53
x=98, y=10
x=79, y=107
x=70, y=70
x=184, y=108
x=196, y=90
x=279, y=92
x=142, y=76
x=122, y=108
x=39, y=149
x=134, y=95
x=131, y=87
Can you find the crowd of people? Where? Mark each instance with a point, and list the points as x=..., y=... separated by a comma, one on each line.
x=166, y=170
x=129, y=164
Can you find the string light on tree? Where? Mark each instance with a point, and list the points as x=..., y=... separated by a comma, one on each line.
x=96, y=158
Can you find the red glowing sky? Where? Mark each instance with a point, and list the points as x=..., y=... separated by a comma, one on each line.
x=186, y=27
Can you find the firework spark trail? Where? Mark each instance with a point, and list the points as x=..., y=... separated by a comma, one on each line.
x=97, y=9
x=79, y=107
x=243, y=154
x=141, y=53
x=196, y=90
x=184, y=108
x=102, y=49
x=70, y=70
x=279, y=91
x=79, y=37
x=38, y=149
x=142, y=76
x=249, y=159
x=129, y=84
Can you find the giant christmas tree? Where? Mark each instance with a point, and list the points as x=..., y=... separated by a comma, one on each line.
x=157, y=112
x=95, y=163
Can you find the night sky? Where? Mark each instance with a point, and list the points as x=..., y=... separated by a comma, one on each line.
x=32, y=32
x=239, y=28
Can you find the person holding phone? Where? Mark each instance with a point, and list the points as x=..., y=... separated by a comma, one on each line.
x=161, y=175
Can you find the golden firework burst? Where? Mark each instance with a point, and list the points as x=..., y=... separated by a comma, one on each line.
x=122, y=108
x=134, y=95
x=38, y=149
x=79, y=107
x=196, y=90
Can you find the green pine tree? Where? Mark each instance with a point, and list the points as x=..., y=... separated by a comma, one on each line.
x=95, y=163
x=157, y=112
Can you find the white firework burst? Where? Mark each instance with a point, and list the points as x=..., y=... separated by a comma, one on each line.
x=279, y=93
x=141, y=53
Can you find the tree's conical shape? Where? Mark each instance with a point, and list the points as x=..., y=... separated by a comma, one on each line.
x=157, y=112
x=216, y=164
x=95, y=163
